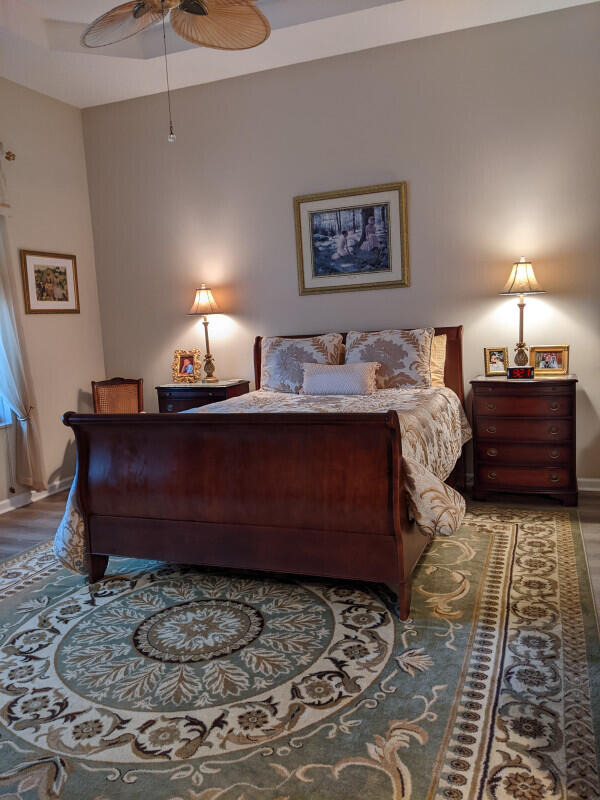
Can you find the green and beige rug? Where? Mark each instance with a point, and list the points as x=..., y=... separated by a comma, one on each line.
x=171, y=683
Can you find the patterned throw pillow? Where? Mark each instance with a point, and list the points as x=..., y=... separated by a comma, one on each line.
x=345, y=379
x=282, y=359
x=404, y=356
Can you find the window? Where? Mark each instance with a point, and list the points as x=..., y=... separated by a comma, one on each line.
x=6, y=417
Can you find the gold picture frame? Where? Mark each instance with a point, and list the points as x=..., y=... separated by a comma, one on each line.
x=353, y=239
x=549, y=360
x=499, y=365
x=183, y=360
x=49, y=282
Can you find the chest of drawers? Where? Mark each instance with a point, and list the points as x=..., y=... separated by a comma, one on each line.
x=174, y=397
x=524, y=437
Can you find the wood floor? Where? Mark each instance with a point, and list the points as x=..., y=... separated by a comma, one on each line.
x=36, y=523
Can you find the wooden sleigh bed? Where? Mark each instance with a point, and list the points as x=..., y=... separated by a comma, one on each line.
x=315, y=494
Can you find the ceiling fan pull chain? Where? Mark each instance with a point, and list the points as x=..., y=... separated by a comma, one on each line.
x=171, y=137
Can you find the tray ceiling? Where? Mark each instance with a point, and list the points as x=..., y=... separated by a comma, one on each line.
x=39, y=41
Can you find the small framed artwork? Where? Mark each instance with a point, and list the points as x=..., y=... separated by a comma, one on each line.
x=352, y=240
x=187, y=366
x=549, y=360
x=49, y=283
x=496, y=360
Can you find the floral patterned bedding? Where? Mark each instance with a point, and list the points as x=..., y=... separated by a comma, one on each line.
x=433, y=425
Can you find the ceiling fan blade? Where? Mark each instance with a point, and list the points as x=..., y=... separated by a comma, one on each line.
x=120, y=23
x=229, y=25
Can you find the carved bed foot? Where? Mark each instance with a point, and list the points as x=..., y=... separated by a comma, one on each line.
x=96, y=567
x=403, y=604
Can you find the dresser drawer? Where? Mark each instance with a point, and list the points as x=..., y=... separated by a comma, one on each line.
x=543, y=455
x=490, y=476
x=523, y=406
x=526, y=430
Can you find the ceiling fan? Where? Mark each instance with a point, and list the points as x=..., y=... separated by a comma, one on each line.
x=222, y=24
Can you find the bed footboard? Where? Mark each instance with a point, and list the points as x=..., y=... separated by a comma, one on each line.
x=301, y=493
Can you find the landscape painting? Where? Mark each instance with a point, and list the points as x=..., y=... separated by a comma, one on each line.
x=352, y=239
x=49, y=283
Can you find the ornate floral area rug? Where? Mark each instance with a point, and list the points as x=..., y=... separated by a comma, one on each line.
x=179, y=683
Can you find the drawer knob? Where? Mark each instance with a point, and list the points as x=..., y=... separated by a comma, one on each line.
x=492, y=476
x=554, y=454
x=490, y=429
x=491, y=406
x=554, y=406
x=170, y=407
x=554, y=478
x=554, y=431
x=492, y=452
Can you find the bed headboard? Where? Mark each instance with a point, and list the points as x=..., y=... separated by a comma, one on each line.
x=453, y=371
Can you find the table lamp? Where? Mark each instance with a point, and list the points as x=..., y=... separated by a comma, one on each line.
x=204, y=304
x=522, y=281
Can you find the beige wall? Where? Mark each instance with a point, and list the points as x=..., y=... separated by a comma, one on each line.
x=50, y=211
x=496, y=130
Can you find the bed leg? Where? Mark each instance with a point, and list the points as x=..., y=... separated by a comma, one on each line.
x=96, y=567
x=403, y=605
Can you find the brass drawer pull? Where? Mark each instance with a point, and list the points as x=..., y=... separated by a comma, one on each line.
x=490, y=429
x=492, y=476
x=554, y=406
x=491, y=406
x=554, y=478
x=554, y=454
x=553, y=431
x=492, y=452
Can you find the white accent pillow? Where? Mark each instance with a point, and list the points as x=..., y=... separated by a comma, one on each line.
x=344, y=379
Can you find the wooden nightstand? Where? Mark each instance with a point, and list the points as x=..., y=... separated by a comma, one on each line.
x=181, y=396
x=524, y=437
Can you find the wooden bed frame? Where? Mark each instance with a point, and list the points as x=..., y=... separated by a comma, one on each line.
x=315, y=494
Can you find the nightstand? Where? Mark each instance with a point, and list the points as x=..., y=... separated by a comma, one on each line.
x=524, y=437
x=182, y=396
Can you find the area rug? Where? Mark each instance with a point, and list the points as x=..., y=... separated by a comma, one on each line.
x=179, y=683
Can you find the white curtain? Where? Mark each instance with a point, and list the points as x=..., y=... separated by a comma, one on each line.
x=14, y=386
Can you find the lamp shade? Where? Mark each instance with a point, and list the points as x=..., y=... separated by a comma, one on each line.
x=522, y=280
x=204, y=302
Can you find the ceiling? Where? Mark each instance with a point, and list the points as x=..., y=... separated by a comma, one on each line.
x=39, y=41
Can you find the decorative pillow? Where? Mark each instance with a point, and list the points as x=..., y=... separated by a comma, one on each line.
x=282, y=359
x=437, y=508
x=438, y=359
x=404, y=356
x=345, y=379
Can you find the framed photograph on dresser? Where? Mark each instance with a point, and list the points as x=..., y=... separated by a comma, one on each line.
x=352, y=239
x=496, y=360
x=549, y=360
x=187, y=366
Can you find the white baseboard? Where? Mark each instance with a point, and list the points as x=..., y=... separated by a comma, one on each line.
x=588, y=484
x=25, y=498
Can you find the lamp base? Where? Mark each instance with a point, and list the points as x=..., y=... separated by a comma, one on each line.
x=209, y=369
x=521, y=357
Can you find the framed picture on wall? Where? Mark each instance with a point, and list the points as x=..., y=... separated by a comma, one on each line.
x=187, y=366
x=49, y=283
x=496, y=360
x=352, y=240
x=549, y=360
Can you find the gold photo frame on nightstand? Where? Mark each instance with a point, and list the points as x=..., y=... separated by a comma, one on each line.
x=496, y=360
x=549, y=360
x=187, y=366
